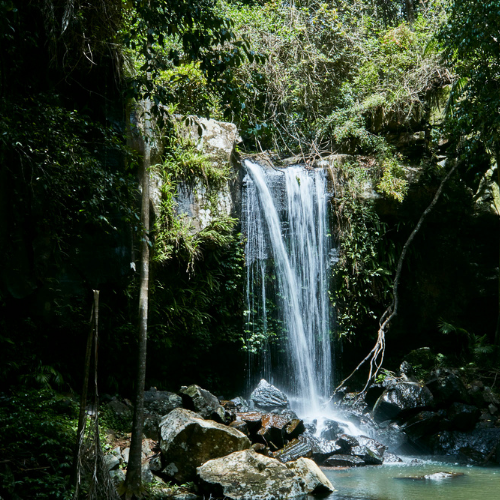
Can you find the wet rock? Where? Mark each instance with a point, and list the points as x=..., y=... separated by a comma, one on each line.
x=155, y=463
x=199, y=400
x=447, y=387
x=450, y=442
x=345, y=442
x=297, y=448
x=331, y=429
x=253, y=420
x=343, y=461
x=372, y=444
x=310, y=447
x=267, y=397
x=294, y=429
x=373, y=393
x=462, y=417
x=423, y=424
x=402, y=399
x=187, y=441
x=247, y=475
x=369, y=456
x=436, y=476
x=391, y=435
x=273, y=430
x=241, y=404
x=391, y=458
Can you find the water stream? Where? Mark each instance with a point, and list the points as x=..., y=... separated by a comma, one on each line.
x=285, y=219
x=390, y=482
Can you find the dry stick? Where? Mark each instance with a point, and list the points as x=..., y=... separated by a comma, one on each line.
x=376, y=355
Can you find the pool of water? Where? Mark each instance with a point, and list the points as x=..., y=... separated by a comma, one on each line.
x=387, y=482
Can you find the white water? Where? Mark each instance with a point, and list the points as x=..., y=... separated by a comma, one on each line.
x=293, y=252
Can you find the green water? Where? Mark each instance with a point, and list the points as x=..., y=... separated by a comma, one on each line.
x=385, y=483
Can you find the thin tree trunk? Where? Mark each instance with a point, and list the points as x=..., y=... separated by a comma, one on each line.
x=83, y=398
x=133, y=481
x=497, y=331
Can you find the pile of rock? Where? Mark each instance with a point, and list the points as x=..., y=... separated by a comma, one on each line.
x=214, y=444
x=440, y=416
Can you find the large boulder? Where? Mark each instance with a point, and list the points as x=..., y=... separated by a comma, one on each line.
x=247, y=475
x=187, y=441
x=267, y=397
x=447, y=387
x=201, y=401
x=402, y=399
x=157, y=404
x=462, y=417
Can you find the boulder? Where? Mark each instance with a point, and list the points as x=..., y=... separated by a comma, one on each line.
x=246, y=475
x=422, y=424
x=187, y=441
x=343, y=461
x=273, y=430
x=330, y=430
x=161, y=402
x=391, y=435
x=294, y=429
x=199, y=400
x=462, y=417
x=267, y=397
x=345, y=442
x=316, y=481
x=402, y=399
x=368, y=455
x=447, y=387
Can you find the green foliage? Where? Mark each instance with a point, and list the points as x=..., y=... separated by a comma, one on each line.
x=363, y=274
x=469, y=44
x=335, y=74
x=37, y=436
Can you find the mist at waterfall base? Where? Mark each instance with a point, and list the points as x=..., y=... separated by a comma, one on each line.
x=289, y=318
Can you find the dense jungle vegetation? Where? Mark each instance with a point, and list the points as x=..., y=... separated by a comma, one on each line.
x=396, y=88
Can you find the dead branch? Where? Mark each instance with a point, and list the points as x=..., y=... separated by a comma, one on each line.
x=376, y=355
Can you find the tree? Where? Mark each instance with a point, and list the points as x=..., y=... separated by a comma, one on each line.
x=471, y=42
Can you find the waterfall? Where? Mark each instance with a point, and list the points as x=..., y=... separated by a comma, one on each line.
x=285, y=221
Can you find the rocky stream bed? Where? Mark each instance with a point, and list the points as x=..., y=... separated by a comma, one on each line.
x=261, y=449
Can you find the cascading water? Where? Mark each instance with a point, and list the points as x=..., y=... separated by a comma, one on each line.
x=285, y=219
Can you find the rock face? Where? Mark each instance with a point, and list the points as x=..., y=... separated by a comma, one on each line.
x=402, y=398
x=267, y=397
x=246, y=475
x=187, y=441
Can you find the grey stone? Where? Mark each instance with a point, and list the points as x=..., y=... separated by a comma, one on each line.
x=187, y=441
x=247, y=475
x=401, y=399
x=201, y=401
x=343, y=461
x=268, y=397
x=112, y=462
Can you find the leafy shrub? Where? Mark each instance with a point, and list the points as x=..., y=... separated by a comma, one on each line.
x=37, y=439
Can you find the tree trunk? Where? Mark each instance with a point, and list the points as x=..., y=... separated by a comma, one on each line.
x=83, y=397
x=410, y=12
x=133, y=481
x=497, y=331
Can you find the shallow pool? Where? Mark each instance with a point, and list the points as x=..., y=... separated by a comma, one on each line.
x=386, y=482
